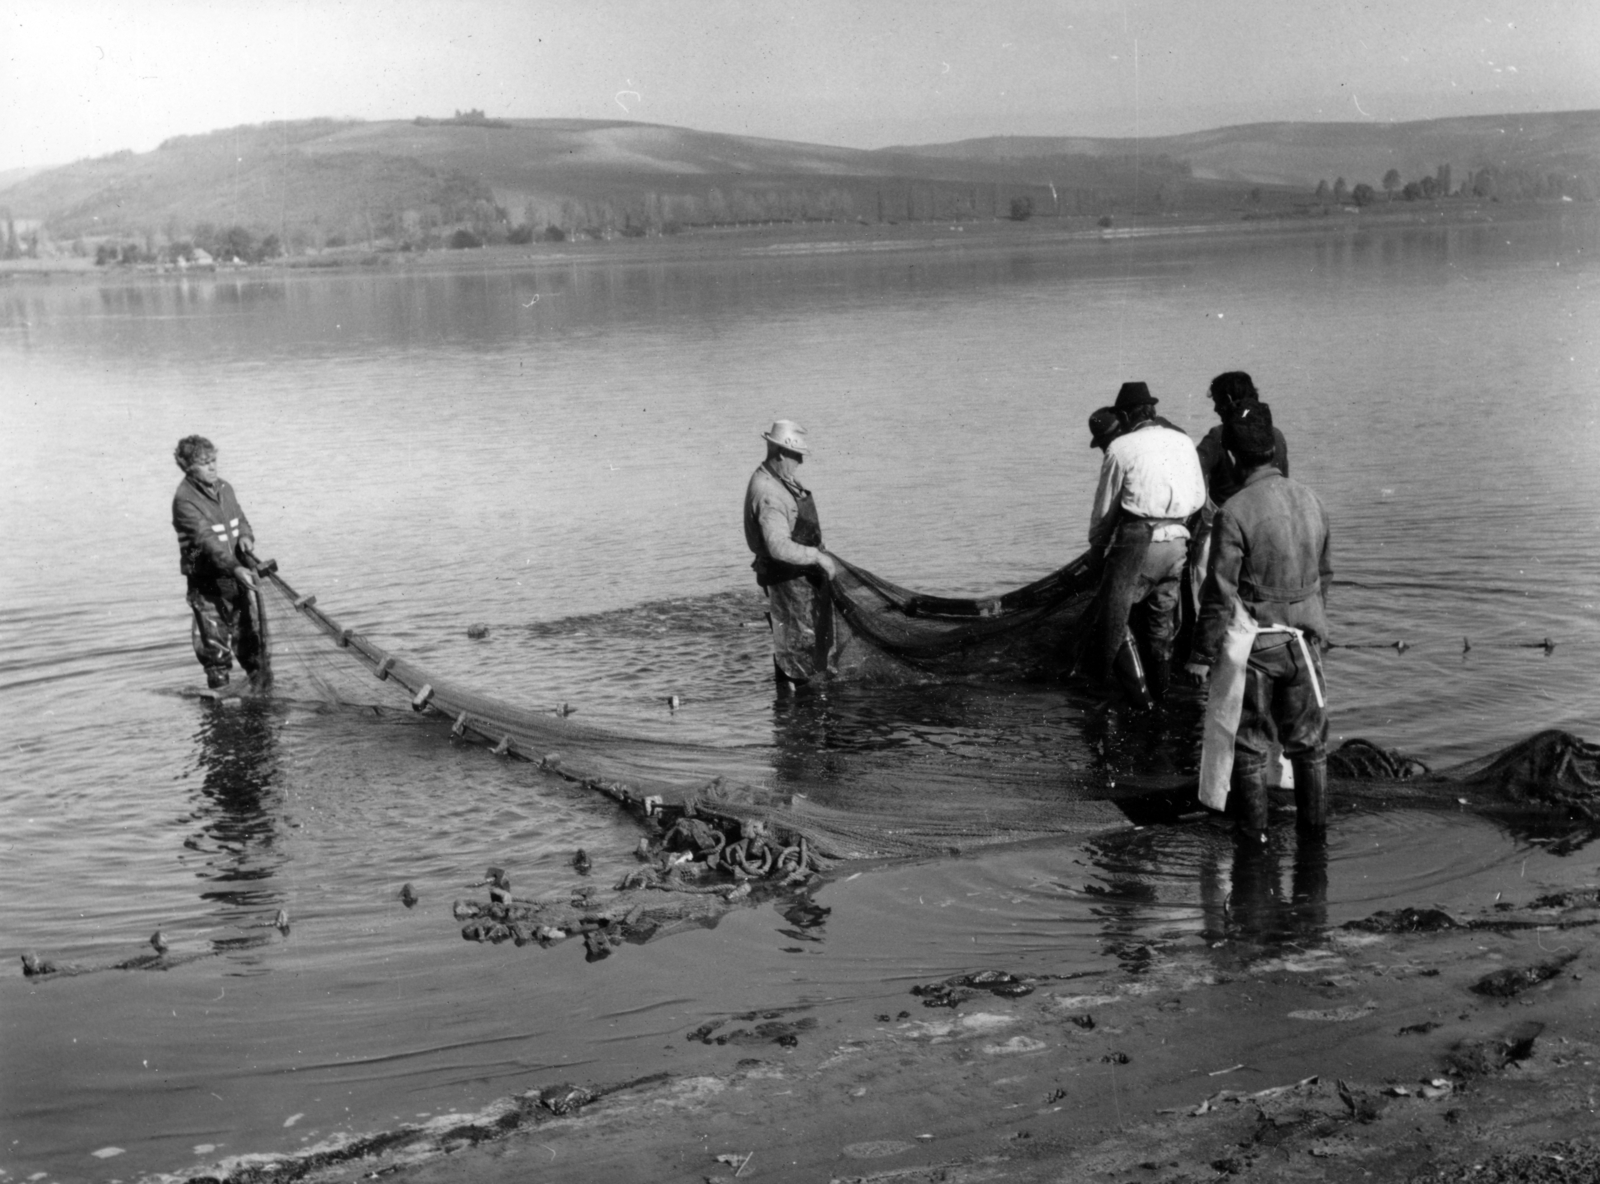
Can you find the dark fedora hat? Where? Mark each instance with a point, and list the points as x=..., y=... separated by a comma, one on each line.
x=1135, y=394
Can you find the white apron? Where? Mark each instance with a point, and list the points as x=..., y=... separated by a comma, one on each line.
x=1225, y=701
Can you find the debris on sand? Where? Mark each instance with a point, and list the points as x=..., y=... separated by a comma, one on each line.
x=1337, y=1015
x=1479, y=1058
x=1406, y=920
x=953, y=992
x=772, y=1030
x=564, y=1099
x=1571, y=1161
x=34, y=966
x=1503, y=984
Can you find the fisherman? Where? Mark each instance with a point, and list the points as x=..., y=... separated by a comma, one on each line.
x=1263, y=626
x=783, y=531
x=215, y=548
x=1105, y=425
x=1150, y=487
x=1229, y=390
x=1223, y=478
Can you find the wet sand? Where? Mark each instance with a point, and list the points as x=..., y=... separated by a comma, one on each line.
x=1360, y=1056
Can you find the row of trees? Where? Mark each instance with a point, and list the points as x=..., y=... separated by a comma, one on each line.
x=1489, y=184
x=219, y=244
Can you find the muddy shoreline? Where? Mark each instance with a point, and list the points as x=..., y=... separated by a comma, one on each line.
x=1412, y=1045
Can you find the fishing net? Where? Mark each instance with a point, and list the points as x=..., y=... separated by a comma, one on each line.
x=1549, y=771
x=857, y=805
x=819, y=803
x=884, y=631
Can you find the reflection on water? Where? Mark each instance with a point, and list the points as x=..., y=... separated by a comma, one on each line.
x=1258, y=909
x=1161, y=886
x=238, y=838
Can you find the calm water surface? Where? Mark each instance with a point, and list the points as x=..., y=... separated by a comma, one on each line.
x=560, y=452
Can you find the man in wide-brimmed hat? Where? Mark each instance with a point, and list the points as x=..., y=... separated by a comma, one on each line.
x=1150, y=487
x=783, y=531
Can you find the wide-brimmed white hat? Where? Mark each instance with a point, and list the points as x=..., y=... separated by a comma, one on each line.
x=788, y=435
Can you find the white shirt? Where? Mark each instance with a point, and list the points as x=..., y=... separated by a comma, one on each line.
x=1150, y=472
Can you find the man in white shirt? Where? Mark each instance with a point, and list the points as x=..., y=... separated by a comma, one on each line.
x=1151, y=485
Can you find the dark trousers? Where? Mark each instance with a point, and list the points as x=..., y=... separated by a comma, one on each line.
x=1280, y=703
x=801, y=612
x=1140, y=587
x=224, y=628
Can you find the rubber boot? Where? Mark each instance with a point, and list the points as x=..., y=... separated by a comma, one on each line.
x=1130, y=674
x=1311, y=794
x=216, y=679
x=1250, y=794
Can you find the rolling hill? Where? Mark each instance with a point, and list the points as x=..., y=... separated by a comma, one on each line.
x=1301, y=154
x=318, y=183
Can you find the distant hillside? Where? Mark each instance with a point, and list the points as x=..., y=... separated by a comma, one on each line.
x=426, y=182
x=326, y=182
x=1302, y=154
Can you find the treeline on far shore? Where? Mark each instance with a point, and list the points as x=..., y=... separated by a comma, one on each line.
x=453, y=212
x=1486, y=184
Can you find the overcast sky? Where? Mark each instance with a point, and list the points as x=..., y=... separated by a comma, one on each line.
x=87, y=77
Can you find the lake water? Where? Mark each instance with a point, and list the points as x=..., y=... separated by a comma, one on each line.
x=559, y=451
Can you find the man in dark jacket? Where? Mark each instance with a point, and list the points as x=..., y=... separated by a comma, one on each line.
x=1223, y=478
x=1270, y=555
x=214, y=546
x=1222, y=475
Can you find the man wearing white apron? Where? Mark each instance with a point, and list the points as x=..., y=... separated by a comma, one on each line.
x=1262, y=629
